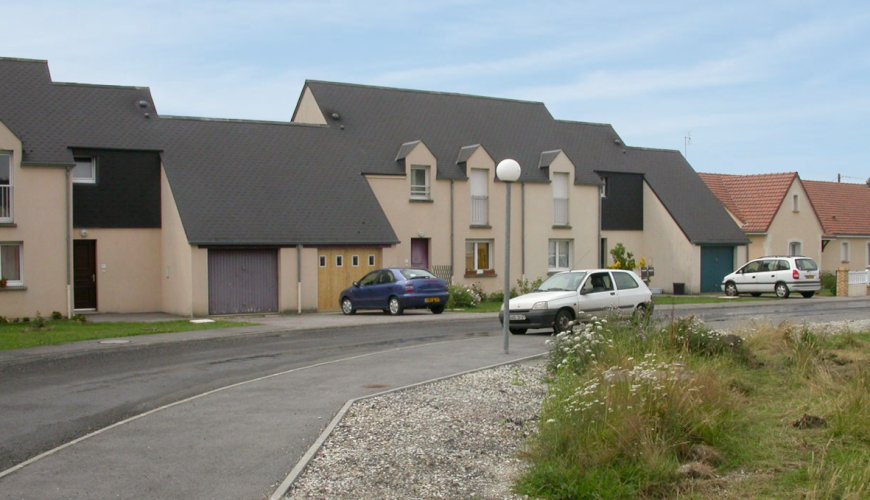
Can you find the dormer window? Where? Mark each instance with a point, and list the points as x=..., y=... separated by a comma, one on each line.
x=85, y=171
x=420, y=189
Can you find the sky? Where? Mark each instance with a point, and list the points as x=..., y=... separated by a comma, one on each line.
x=740, y=87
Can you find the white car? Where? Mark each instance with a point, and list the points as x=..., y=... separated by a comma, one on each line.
x=776, y=274
x=563, y=296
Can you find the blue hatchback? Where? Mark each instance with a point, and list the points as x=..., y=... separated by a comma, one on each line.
x=394, y=290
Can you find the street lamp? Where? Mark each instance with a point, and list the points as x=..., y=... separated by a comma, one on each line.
x=507, y=171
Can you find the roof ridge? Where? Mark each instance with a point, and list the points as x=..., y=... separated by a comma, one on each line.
x=581, y=122
x=101, y=86
x=428, y=92
x=240, y=121
x=23, y=59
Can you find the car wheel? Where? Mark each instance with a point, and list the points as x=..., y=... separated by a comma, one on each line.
x=756, y=294
x=563, y=321
x=517, y=331
x=781, y=290
x=437, y=309
x=730, y=289
x=395, y=306
x=808, y=294
x=642, y=312
x=347, y=306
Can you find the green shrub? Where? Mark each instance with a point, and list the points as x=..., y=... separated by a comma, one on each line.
x=56, y=315
x=496, y=296
x=462, y=297
x=622, y=258
x=39, y=322
x=829, y=282
x=525, y=286
x=81, y=318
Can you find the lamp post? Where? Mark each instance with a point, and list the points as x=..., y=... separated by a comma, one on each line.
x=507, y=171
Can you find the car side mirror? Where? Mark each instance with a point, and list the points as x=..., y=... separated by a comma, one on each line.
x=356, y=284
x=584, y=292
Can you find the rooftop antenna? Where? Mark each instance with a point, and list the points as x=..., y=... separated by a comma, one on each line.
x=686, y=141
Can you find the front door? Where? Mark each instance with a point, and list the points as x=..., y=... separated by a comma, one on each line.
x=85, y=274
x=420, y=253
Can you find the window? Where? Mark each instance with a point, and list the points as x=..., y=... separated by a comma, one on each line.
x=597, y=282
x=5, y=187
x=10, y=263
x=479, y=197
x=795, y=206
x=844, y=251
x=371, y=260
x=420, y=182
x=560, y=199
x=85, y=171
x=794, y=248
x=322, y=261
x=478, y=256
x=354, y=261
x=559, y=255
x=604, y=187
x=624, y=281
x=339, y=261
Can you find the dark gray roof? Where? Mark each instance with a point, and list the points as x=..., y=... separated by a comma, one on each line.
x=259, y=183
x=380, y=119
x=50, y=118
x=691, y=204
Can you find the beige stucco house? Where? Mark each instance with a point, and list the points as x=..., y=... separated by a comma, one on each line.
x=107, y=206
x=844, y=210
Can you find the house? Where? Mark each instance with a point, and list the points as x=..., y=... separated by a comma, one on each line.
x=775, y=212
x=844, y=210
x=106, y=205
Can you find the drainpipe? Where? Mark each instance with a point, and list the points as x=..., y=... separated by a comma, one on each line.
x=598, y=241
x=452, y=236
x=523, y=230
x=69, y=297
x=298, y=279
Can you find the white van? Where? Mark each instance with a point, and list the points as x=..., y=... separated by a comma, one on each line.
x=774, y=274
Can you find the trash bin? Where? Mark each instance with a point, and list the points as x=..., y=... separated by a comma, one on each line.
x=679, y=288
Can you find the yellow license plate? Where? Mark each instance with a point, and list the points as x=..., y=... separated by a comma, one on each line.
x=433, y=300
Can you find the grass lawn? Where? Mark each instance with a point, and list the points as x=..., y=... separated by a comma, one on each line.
x=53, y=332
x=684, y=411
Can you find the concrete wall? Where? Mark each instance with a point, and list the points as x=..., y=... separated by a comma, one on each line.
x=308, y=111
x=675, y=258
x=128, y=269
x=288, y=289
x=40, y=225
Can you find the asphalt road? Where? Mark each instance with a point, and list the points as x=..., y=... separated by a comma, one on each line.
x=50, y=401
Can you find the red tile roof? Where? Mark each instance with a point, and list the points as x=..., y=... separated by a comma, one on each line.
x=754, y=199
x=844, y=209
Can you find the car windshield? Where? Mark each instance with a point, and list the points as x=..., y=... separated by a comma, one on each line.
x=806, y=264
x=562, y=282
x=416, y=274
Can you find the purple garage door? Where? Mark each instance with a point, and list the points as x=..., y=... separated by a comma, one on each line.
x=242, y=281
x=420, y=253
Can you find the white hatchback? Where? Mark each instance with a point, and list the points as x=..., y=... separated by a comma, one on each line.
x=563, y=296
x=775, y=274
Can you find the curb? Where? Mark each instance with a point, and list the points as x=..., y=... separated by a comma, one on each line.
x=303, y=462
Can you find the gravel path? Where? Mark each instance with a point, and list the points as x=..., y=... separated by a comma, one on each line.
x=458, y=438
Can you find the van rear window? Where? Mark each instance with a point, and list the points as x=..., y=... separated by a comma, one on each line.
x=806, y=264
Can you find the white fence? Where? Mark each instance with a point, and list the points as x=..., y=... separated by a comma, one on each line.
x=859, y=278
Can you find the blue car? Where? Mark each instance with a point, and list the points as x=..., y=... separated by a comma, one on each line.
x=394, y=290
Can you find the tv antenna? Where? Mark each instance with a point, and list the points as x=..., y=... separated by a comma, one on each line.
x=687, y=139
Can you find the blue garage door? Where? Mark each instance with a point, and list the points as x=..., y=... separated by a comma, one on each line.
x=716, y=262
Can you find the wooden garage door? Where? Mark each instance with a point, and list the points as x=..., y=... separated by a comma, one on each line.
x=338, y=268
x=242, y=281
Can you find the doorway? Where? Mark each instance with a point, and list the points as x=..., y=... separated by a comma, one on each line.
x=85, y=274
x=420, y=253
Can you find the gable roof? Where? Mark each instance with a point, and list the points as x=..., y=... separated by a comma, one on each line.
x=843, y=208
x=754, y=199
x=267, y=183
x=379, y=119
x=50, y=118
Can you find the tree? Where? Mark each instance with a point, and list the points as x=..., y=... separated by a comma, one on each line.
x=622, y=259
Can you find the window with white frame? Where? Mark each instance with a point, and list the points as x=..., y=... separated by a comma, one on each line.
x=560, y=199
x=479, y=197
x=85, y=171
x=844, y=251
x=795, y=203
x=559, y=255
x=794, y=248
x=5, y=187
x=420, y=182
x=354, y=261
x=478, y=256
x=371, y=260
x=10, y=263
